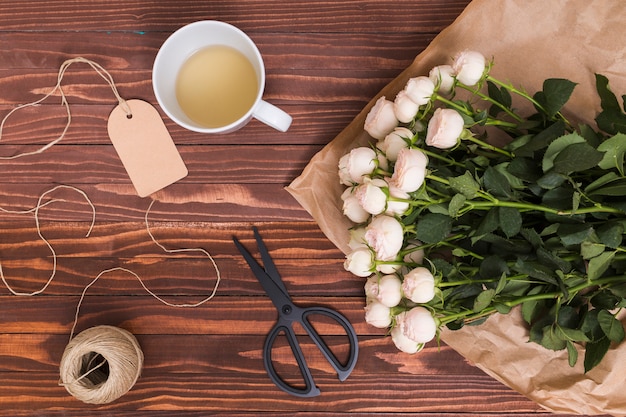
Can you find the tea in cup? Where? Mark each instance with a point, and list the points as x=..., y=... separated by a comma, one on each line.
x=209, y=77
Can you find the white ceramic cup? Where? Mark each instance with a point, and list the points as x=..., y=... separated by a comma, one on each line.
x=181, y=45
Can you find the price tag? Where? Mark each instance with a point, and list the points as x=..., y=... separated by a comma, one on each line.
x=145, y=147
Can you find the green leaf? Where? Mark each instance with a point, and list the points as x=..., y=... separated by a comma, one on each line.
x=542, y=139
x=496, y=183
x=614, y=149
x=456, y=203
x=612, y=327
x=524, y=168
x=616, y=187
x=610, y=234
x=465, y=184
x=433, y=227
x=572, y=353
x=489, y=223
x=483, y=300
x=493, y=266
x=531, y=309
x=590, y=249
x=510, y=221
x=603, y=180
x=558, y=145
x=573, y=234
x=536, y=270
x=502, y=283
x=574, y=335
x=595, y=351
x=556, y=92
x=501, y=96
x=551, y=180
x=611, y=119
x=598, y=265
x=552, y=339
x=577, y=157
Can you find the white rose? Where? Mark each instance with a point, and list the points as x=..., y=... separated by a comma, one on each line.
x=352, y=207
x=360, y=262
x=394, y=141
x=397, y=207
x=410, y=170
x=443, y=77
x=420, y=90
x=419, y=285
x=385, y=236
x=418, y=324
x=371, y=196
x=381, y=119
x=388, y=268
x=357, y=238
x=403, y=343
x=387, y=289
x=356, y=164
x=404, y=108
x=377, y=315
x=416, y=255
x=444, y=128
x=469, y=67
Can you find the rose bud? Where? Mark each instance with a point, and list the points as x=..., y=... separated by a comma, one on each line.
x=394, y=141
x=418, y=324
x=443, y=77
x=403, y=343
x=381, y=119
x=360, y=262
x=357, y=238
x=410, y=170
x=420, y=90
x=419, y=285
x=404, y=108
x=356, y=164
x=386, y=289
x=385, y=236
x=352, y=207
x=371, y=196
x=397, y=207
x=377, y=315
x=444, y=128
x=469, y=67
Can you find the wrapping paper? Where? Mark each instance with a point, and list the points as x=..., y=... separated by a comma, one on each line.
x=531, y=40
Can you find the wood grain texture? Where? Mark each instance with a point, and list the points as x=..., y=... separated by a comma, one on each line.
x=325, y=60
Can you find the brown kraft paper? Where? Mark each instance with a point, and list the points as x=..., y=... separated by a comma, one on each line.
x=530, y=40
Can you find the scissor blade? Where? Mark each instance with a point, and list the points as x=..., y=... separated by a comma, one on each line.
x=268, y=263
x=273, y=290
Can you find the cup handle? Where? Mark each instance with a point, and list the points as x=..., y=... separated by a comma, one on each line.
x=272, y=116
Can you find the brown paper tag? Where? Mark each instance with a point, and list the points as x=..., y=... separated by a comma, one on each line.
x=145, y=147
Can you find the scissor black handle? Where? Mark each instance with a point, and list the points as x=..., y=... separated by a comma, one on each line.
x=284, y=325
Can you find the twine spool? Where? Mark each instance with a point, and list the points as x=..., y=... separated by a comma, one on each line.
x=101, y=364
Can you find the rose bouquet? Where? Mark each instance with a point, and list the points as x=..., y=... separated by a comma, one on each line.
x=463, y=208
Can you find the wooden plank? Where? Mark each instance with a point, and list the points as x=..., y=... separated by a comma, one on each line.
x=283, y=50
x=207, y=164
x=276, y=16
x=256, y=393
x=176, y=203
x=231, y=354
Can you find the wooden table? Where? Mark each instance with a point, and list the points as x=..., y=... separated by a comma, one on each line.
x=325, y=60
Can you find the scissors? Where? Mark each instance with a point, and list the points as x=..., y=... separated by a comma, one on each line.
x=288, y=313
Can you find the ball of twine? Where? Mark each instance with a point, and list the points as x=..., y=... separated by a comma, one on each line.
x=101, y=364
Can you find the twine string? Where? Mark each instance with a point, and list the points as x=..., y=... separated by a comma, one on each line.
x=36, y=209
x=142, y=283
x=99, y=70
